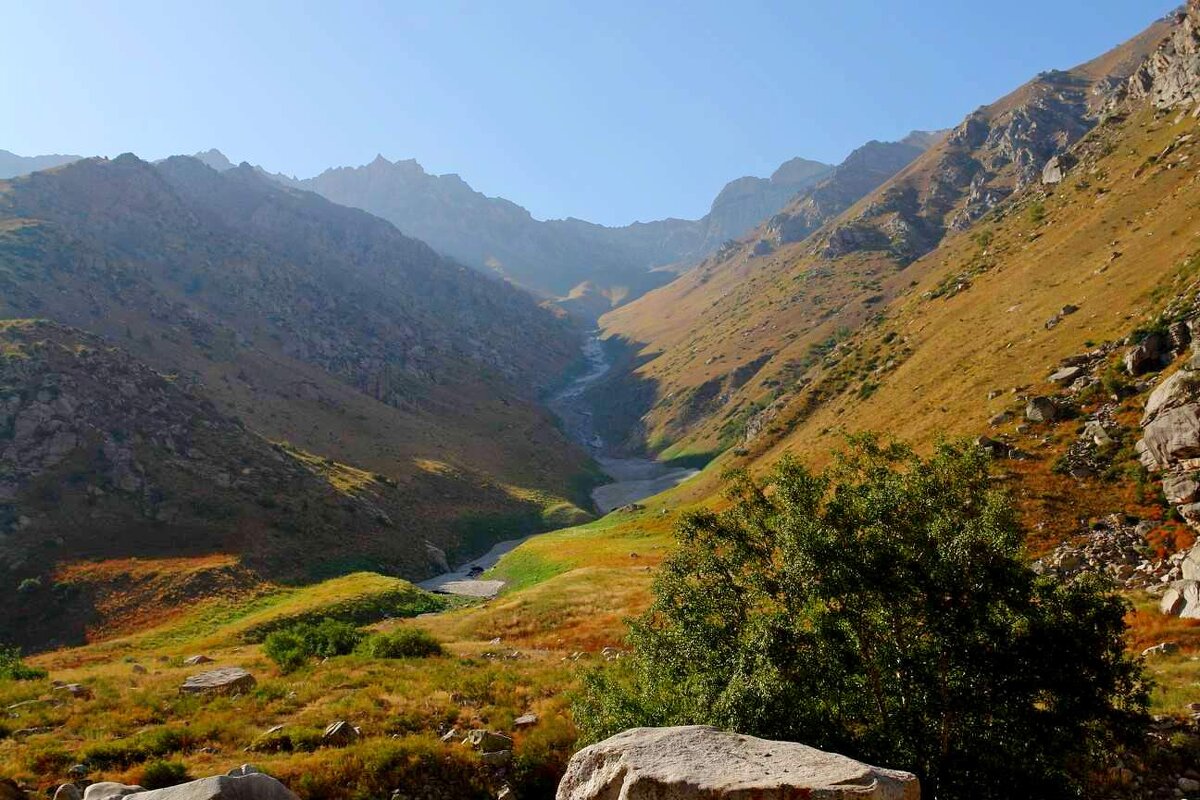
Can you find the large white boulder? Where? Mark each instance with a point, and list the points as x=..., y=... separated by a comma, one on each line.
x=697, y=762
x=255, y=786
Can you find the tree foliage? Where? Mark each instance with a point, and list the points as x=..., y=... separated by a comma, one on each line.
x=881, y=608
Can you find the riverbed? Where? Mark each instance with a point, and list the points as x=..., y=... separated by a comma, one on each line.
x=634, y=479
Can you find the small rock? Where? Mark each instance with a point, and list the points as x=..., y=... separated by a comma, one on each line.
x=1041, y=409
x=138, y=669
x=76, y=690
x=68, y=791
x=525, y=721
x=340, y=734
x=488, y=741
x=496, y=758
x=243, y=771
x=197, y=660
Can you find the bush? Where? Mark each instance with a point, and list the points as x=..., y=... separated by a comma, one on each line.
x=882, y=609
x=29, y=586
x=12, y=668
x=161, y=774
x=123, y=753
x=403, y=643
x=292, y=648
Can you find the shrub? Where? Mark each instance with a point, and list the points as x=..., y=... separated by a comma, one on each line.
x=403, y=643
x=161, y=774
x=291, y=648
x=881, y=608
x=12, y=668
x=29, y=586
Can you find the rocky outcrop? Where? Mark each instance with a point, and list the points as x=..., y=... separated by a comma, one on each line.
x=1170, y=78
x=702, y=763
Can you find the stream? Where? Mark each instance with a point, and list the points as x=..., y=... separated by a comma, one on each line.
x=634, y=479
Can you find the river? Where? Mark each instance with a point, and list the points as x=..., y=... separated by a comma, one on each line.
x=634, y=479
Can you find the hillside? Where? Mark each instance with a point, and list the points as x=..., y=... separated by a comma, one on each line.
x=712, y=357
x=315, y=325
x=106, y=459
x=596, y=267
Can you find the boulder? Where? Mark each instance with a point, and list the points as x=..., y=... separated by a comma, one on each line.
x=1190, y=565
x=107, y=790
x=525, y=721
x=1067, y=375
x=696, y=762
x=1002, y=418
x=1181, y=489
x=1146, y=356
x=1056, y=168
x=196, y=661
x=224, y=787
x=1041, y=409
x=1178, y=390
x=226, y=680
x=68, y=791
x=1173, y=435
x=1182, y=599
x=10, y=791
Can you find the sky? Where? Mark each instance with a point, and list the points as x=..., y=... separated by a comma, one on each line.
x=608, y=111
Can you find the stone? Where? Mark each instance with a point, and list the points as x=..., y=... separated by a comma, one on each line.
x=1041, y=409
x=1179, y=389
x=496, y=758
x=1067, y=375
x=1188, y=785
x=195, y=661
x=68, y=791
x=1146, y=356
x=255, y=786
x=76, y=690
x=1181, y=489
x=1094, y=430
x=1056, y=168
x=697, y=762
x=525, y=721
x=340, y=734
x=10, y=791
x=138, y=669
x=1000, y=419
x=452, y=735
x=226, y=680
x=1173, y=435
x=1180, y=336
x=1182, y=599
x=107, y=790
x=1164, y=649
x=1190, y=564
x=488, y=741
x=243, y=771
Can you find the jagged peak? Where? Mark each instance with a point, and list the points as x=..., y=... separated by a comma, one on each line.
x=215, y=159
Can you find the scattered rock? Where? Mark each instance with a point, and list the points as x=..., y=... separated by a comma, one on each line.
x=525, y=721
x=227, y=680
x=195, y=661
x=698, y=762
x=1067, y=375
x=1041, y=409
x=1000, y=419
x=340, y=734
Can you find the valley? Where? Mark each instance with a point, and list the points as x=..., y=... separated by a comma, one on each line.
x=388, y=490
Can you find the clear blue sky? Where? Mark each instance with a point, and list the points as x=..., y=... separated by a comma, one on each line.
x=609, y=111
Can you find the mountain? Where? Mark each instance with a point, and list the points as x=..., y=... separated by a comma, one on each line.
x=596, y=267
x=12, y=165
x=711, y=358
x=321, y=328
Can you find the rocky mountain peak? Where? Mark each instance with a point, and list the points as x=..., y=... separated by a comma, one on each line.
x=215, y=159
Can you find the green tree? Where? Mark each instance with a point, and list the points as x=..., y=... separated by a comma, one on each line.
x=881, y=608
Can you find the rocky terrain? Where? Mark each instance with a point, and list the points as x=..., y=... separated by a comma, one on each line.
x=315, y=325
x=103, y=457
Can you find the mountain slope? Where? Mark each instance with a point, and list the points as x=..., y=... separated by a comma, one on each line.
x=12, y=165
x=105, y=458
x=713, y=355
x=551, y=257
x=315, y=324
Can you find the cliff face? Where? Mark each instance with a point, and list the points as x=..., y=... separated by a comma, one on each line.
x=1170, y=77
